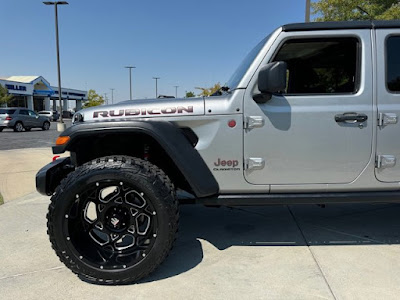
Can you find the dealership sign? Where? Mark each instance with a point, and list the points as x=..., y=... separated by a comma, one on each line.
x=16, y=87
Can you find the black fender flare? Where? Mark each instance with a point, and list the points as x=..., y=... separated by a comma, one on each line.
x=170, y=137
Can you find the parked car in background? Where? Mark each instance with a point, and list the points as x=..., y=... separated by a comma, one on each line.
x=51, y=115
x=56, y=115
x=21, y=119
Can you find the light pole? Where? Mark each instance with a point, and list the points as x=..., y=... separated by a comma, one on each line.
x=130, y=80
x=156, y=78
x=61, y=125
x=176, y=90
x=112, y=95
x=308, y=7
x=105, y=98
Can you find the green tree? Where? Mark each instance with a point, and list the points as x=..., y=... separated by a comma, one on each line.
x=349, y=10
x=209, y=91
x=189, y=94
x=94, y=99
x=5, y=98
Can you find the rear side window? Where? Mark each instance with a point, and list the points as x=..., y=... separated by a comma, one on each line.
x=393, y=63
x=23, y=112
x=7, y=111
x=321, y=65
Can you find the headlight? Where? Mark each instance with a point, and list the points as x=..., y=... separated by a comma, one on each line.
x=78, y=117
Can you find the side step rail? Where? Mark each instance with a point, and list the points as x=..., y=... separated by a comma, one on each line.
x=300, y=198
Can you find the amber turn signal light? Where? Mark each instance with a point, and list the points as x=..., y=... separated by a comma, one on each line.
x=62, y=140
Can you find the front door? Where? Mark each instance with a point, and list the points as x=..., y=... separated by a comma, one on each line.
x=320, y=130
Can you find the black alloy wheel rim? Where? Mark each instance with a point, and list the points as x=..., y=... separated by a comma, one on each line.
x=111, y=225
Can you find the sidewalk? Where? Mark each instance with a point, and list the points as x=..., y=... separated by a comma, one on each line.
x=18, y=170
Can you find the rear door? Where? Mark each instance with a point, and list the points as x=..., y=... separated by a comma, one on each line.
x=388, y=98
x=23, y=115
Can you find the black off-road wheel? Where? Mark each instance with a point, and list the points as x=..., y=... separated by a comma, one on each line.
x=113, y=220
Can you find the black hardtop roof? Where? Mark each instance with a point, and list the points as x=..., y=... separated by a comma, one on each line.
x=341, y=25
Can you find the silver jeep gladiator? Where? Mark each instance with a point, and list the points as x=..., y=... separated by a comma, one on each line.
x=310, y=116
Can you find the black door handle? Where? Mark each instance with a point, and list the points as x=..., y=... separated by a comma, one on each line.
x=351, y=117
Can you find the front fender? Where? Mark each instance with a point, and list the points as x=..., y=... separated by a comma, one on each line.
x=170, y=138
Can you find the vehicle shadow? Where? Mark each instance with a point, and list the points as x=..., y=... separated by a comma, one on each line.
x=276, y=226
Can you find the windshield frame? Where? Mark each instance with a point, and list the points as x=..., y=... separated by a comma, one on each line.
x=243, y=74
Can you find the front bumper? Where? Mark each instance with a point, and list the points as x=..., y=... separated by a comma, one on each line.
x=50, y=176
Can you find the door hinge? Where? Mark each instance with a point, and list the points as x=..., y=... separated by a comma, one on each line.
x=386, y=119
x=254, y=163
x=253, y=122
x=385, y=161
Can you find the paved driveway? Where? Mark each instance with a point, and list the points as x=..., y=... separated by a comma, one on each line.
x=280, y=252
x=36, y=138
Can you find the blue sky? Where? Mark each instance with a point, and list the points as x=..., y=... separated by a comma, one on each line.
x=186, y=43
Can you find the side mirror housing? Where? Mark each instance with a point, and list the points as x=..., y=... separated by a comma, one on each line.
x=271, y=79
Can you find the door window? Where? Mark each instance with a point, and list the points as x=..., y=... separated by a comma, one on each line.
x=32, y=113
x=393, y=63
x=24, y=112
x=321, y=65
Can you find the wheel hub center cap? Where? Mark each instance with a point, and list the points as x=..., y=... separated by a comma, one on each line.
x=117, y=219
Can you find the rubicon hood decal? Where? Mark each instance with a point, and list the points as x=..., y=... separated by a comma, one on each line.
x=145, y=108
x=143, y=111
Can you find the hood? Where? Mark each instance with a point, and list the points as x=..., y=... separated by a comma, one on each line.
x=148, y=108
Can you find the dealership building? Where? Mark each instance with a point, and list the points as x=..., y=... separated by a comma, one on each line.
x=36, y=93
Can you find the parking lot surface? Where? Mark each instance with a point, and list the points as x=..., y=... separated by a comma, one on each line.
x=281, y=252
x=36, y=138
x=276, y=252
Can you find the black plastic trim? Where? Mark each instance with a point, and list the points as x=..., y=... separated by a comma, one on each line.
x=301, y=198
x=340, y=25
x=171, y=139
x=50, y=176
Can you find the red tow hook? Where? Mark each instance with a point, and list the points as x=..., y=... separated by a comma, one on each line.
x=55, y=157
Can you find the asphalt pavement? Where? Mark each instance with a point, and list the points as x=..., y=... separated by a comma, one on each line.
x=36, y=138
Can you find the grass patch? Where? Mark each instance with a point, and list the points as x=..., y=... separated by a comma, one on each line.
x=1, y=199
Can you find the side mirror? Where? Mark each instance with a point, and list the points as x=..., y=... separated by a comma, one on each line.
x=271, y=79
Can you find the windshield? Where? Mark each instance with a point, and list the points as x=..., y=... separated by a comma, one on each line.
x=239, y=73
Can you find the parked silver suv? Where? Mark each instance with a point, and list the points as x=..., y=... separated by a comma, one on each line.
x=21, y=118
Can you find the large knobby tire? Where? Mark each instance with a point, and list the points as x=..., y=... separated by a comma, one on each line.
x=113, y=220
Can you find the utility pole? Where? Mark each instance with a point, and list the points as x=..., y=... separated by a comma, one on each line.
x=61, y=125
x=176, y=90
x=156, y=79
x=130, y=80
x=308, y=10
x=112, y=95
